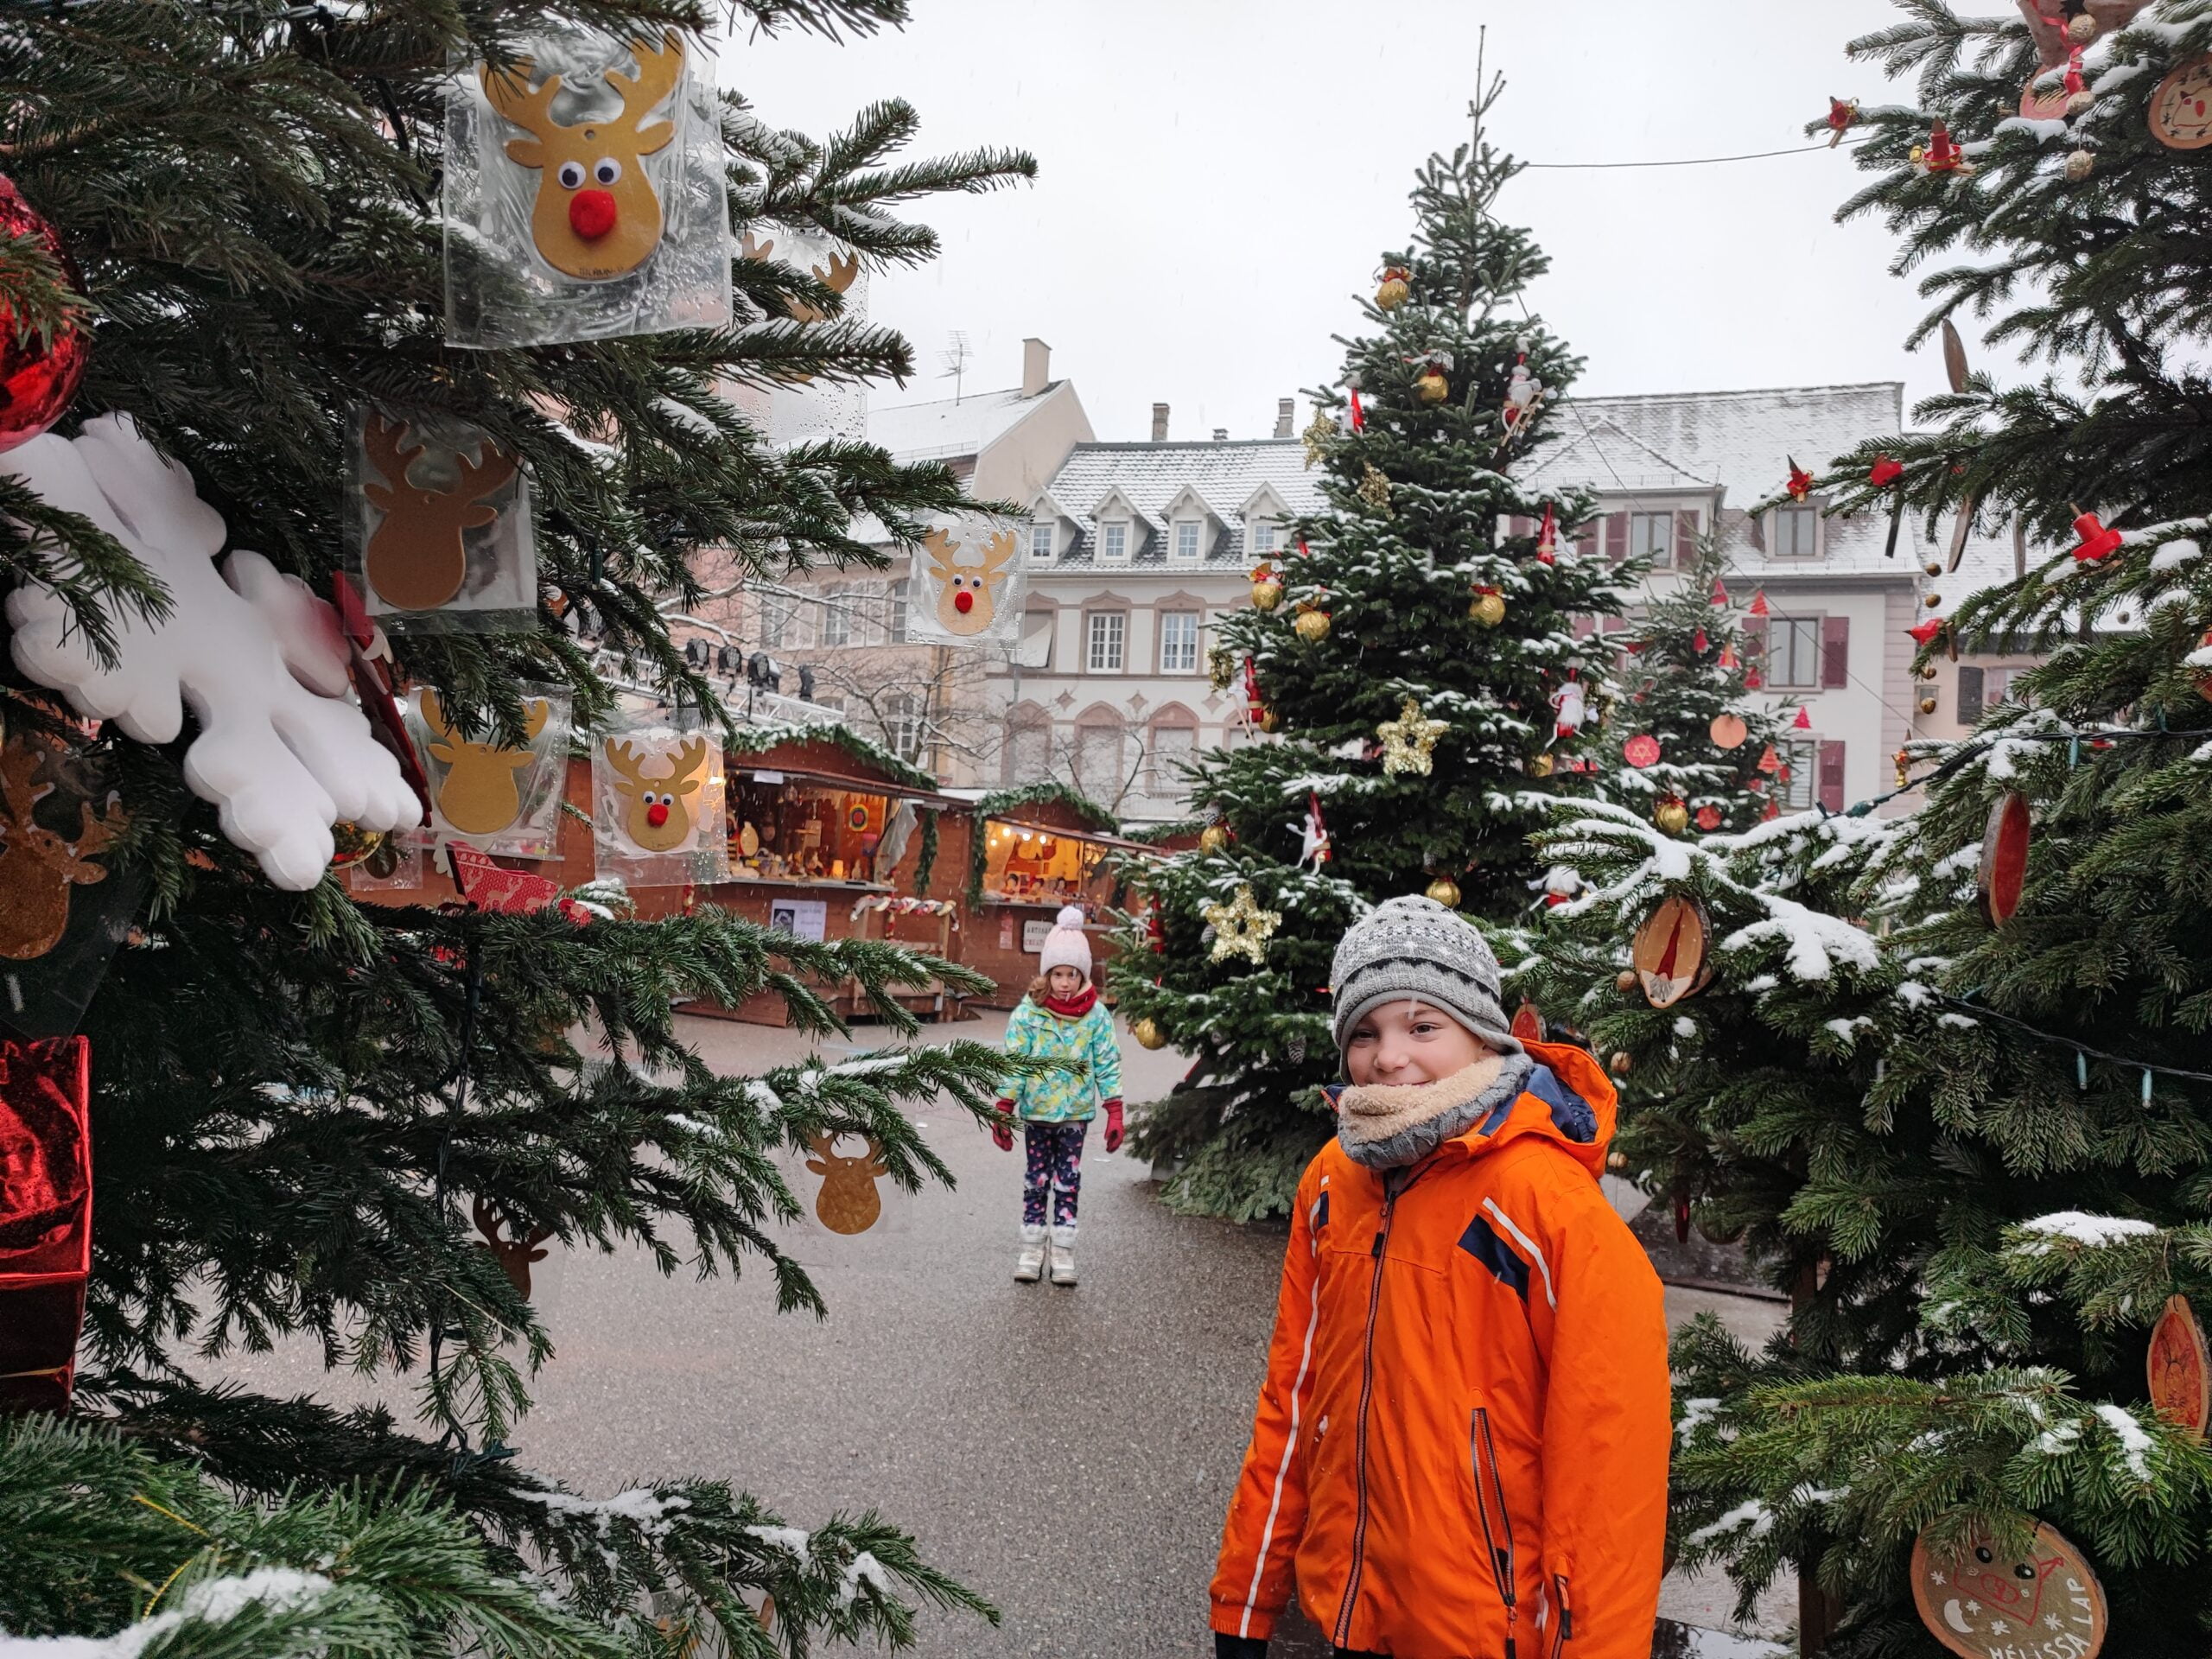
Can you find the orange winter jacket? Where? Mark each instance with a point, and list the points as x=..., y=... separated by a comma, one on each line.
x=1461, y=1445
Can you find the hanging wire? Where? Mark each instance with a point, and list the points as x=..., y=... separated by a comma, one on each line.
x=1689, y=160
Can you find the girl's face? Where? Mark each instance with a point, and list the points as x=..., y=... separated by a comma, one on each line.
x=1063, y=981
x=1406, y=1043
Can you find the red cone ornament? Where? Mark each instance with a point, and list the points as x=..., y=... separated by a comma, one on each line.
x=1759, y=603
x=1804, y=721
x=2098, y=543
x=38, y=376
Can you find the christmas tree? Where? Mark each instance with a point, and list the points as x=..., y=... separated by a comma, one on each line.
x=1984, y=1180
x=1422, y=674
x=1710, y=761
x=227, y=215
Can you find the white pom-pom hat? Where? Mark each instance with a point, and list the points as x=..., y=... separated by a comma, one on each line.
x=1066, y=945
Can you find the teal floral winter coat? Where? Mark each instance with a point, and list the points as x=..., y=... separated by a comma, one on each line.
x=1092, y=1064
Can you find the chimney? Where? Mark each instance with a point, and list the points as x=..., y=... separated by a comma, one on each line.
x=1036, y=366
x=1159, y=423
x=1221, y=435
x=1285, y=408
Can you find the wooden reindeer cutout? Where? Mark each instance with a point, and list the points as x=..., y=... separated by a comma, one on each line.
x=37, y=866
x=416, y=559
x=597, y=216
x=848, y=1202
x=479, y=796
x=514, y=1255
x=660, y=807
x=838, y=277
x=964, y=596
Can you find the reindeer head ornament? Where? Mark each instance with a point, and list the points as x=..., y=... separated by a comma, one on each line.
x=38, y=866
x=658, y=808
x=597, y=215
x=967, y=596
x=480, y=794
x=848, y=1202
x=416, y=558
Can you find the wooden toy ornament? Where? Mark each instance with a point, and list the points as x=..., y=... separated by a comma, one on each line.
x=2180, y=1369
x=1672, y=951
x=2043, y=1604
x=39, y=867
x=2004, y=869
x=848, y=1202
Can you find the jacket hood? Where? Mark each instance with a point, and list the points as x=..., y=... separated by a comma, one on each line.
x=1567, y=1099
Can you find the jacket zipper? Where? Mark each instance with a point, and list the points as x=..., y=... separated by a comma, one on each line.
x=1390, y=1191
x=1490, y=1483
x=1565, y=1618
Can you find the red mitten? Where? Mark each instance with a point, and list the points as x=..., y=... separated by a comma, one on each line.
x=1003, y=1132
x=1113, y=1126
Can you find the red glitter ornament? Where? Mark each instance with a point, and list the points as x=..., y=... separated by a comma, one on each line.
x=46, y=1217
x=1884, y=472
x=1708, y=819
x=39, y=376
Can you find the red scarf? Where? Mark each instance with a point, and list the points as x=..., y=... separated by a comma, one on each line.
x=1073, y=1007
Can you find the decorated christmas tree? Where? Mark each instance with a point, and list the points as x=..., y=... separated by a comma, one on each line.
x=1696, y=751
x=235, y=246
x=1416, y=684
x=1985, y=1185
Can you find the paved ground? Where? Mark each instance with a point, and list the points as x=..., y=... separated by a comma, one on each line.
x=1068, y=1453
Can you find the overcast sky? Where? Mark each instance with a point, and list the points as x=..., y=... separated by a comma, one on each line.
x=1217, y=177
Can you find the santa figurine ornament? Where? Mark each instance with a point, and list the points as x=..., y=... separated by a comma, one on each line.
x=1571, y=707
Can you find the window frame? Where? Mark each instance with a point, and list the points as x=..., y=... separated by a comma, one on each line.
x=1772, y=664
x=1664, y=556
x=1159, y=784
x=1802, y=756
x=901, y=596
x=1092, y=623
x=836, y=619
x=1120, y=732
x=902, y=713
x=1796, y=512
x=1197, y=554
x=1196, y=622
x=1048, y=532
x=1266, y=538
x=1118, y=529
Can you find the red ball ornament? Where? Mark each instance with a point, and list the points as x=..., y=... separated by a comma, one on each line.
x=39, y=376
x=1642, y=750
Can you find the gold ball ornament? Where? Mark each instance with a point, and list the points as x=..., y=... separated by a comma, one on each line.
x=1928, y=671
x=2082, y=29
x=1672, y=816
x=1489, y=609
x=1928, y=705
x=1432, y=388
x=1445, y=892
x=1934, y=601
x=1620, y=1063
x=1149, y=1033
x=351, y=843
x=1266, y=592
x=2079, y=165
x=1934, y=568
x=1214, y=838
x=1268, y=722
x=1543, y=764
x=1394, y=290
x=2080, y=105
x=1313, y=627
x=1626, y=980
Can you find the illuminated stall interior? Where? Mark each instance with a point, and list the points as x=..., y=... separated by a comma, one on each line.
x=1025, y=864
x=796, y=829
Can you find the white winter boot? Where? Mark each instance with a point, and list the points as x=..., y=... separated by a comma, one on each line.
x=1029, y=1266
x=1063, y=1255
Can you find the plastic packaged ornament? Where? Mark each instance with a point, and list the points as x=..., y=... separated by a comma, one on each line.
x=438, y=527
x=658, y=802
x=63, y=910
x=500, y=799
x=968, y=582
x=39, y=374
x=585, y=195
x=395, y=866
x=809, y=409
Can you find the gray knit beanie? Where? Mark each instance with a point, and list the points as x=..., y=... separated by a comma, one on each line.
x=1414, y=950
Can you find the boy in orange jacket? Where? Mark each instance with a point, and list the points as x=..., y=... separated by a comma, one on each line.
x=1461, y=1445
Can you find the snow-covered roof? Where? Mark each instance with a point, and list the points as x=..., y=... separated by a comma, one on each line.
x=950, y=427
x=1225, y=476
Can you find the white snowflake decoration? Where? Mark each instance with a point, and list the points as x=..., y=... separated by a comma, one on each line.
x=280, y=752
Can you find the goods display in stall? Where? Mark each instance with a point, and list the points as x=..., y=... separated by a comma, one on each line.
x=1030, y=864
x=783, y=828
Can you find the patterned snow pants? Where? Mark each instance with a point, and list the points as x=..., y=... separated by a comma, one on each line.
x=1055, y=1168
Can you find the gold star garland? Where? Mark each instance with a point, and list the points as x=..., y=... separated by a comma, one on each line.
x=1319, y=434
x=1409, y=741
x=1375, y=490
x=1241, y=928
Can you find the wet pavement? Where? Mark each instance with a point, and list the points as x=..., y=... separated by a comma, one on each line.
x=1067, y=1452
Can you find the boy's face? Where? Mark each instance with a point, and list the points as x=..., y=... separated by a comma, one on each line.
x=1406, y=1043
x=1063, y=981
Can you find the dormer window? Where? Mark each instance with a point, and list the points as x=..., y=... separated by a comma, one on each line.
x=1040, y=542
x=1186, y=541
x=1796, y=532
x=1114, y=543
x=1267, y=538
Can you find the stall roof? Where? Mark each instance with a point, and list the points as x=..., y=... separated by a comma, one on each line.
x=759, y=740
x=1007, y=802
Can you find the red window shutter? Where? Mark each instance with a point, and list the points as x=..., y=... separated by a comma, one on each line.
x=1835, y=653
x=1516, y=525
x=1585, y=539
x=1685, y=538
x=1832, y=775
x=1584, y=626
x=1616, y=537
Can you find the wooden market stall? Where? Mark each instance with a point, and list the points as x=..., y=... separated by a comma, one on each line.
x=1034, y=850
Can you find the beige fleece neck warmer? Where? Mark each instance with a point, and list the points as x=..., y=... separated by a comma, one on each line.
x=1389, y=1126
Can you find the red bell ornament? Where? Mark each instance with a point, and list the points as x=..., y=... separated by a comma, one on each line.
x=39, y=374
x=2098, y=543
x=46, y=1217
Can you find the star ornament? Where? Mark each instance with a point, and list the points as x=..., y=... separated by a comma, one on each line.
x=1409, y=741
x=1241, y=928
x=1320, y=433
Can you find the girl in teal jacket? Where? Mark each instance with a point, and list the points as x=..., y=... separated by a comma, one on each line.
x=1061, y=1020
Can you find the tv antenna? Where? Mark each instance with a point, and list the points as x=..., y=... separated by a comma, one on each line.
x=954, y=358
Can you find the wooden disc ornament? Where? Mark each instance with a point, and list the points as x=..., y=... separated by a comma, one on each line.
x=2181, y=1368
x=848, y=1202
x=2181, y=107
x=2043, y=1604
x=1728, y=731
x=1528, y=1024
x=1642, y=750
x=2005, y=858
x=1672, y=951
